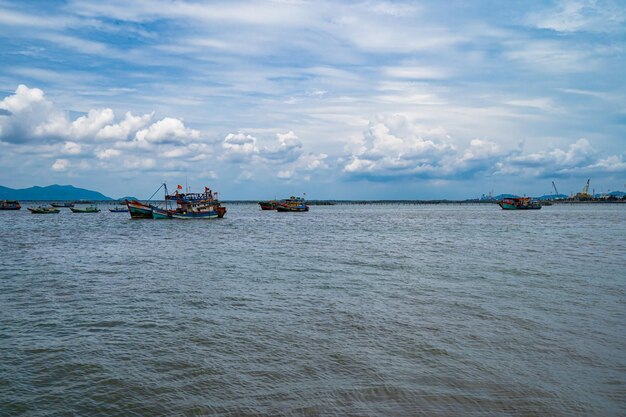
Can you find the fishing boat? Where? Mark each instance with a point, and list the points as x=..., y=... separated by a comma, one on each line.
x=519, y=203
x=293, y=204
x=43, y=210
x=118, y=209
x=88, y=209
x=268, y=205
x=204, y=205
x=66, y=204
x=139, y=210
x=10, y=205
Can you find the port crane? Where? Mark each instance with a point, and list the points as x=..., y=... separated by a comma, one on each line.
x=555, y=190
x=584, y=195
x=586, y=188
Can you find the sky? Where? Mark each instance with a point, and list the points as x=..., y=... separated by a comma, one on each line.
x=335, y=99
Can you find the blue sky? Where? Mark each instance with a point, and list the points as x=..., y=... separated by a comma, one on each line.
x=352, y=99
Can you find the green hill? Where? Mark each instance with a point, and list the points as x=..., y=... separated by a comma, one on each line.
x=51, y=192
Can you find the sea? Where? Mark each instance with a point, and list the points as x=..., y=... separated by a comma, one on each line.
x=347, y=310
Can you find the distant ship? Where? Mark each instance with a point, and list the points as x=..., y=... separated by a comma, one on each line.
x=519, y=203
x=118, y=209
x=43, y=210
x=292, y=204
x=66, y=204
x=191, y=206
x=10, y=205
x=88, y=209
x=268, y=205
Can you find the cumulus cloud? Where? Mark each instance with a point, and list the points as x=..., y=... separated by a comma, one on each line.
x=167, y=130
x=288, y=149
x=28, y=117
x=26, y=114
x=239, y=147
x=125, y=128
x=395, y=148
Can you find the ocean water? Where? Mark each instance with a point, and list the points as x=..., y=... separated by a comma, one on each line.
x=347, y=310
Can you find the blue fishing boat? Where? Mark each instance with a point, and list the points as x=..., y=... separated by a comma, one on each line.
x=292, y=204
x=191, y=206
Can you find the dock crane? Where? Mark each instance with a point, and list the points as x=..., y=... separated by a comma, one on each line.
x=555, y=190
x=584, y=195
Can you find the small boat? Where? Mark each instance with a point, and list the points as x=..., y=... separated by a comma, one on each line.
x=10, y=205
x=63, y=205
x=191, y=206
x=43, y=210
x=119, y=209
x=268, y=205
x=293, y=204
x=519, y=203
x=88, y=209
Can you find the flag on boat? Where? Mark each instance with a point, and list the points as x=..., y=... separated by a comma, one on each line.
x=180, y=187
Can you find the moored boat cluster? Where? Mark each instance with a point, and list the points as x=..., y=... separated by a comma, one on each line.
x=291, y=204
x=178, y=205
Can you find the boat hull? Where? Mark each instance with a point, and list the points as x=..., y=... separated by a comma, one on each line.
x=292, y=209
x=267, y=205
x=159, y=214
x=139, y=210
x=43, y=211
x=78, y=210
x=514, y=206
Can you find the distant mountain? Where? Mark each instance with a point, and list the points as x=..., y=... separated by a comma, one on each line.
x=51, y=192
x=501, y=196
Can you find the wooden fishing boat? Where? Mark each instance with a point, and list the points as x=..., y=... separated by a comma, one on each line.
x=292, y=204
x=10, y=205
x=519, y=203
x=204, y=205
x=43, y=210
x=65, y=204
x=268, y=205
x=88, y=209
x=139, y=210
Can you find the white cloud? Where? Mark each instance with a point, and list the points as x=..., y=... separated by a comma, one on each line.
x=125, y=128
x=581, y=15
x=107, y=153
x=61, y=165
x=139, y=163
x=239, y=147
x=71, y=148
x=392, y=149
x=285, y=174
x=167, y=130
x=288, y=148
